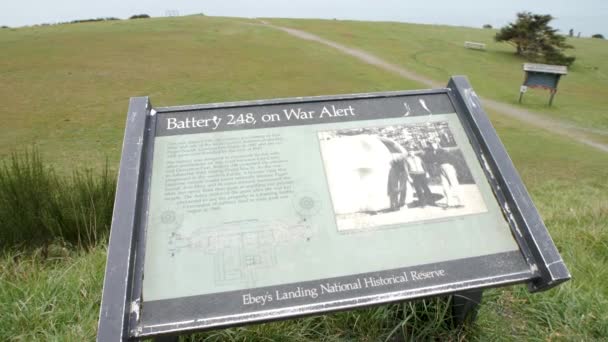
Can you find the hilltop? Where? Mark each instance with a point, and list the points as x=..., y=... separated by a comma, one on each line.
x=65, y=89
x=71, y=83
x=438, y=52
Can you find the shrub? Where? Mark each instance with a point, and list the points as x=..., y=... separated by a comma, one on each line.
x=4, y=27
x=139, y=16
x=598, y=35
x=38, y=207
x=487, y=26
x=535, y=40
x=91, y=20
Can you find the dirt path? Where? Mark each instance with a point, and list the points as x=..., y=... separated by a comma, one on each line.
x=572, y=131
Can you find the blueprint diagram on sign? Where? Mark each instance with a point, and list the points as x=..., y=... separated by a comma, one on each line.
x=239, y=249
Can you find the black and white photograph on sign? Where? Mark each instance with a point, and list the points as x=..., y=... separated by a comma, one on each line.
x=389, y=175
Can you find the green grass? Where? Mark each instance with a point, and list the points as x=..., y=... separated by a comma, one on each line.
x=419, y=320
x=50, y=298
x=37, y=207
x=437, y=52
x=65, y=89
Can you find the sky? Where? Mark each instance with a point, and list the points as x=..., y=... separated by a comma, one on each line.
x=585, y=16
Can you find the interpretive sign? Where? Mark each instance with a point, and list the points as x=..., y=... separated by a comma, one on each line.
x=543, y=76
x=246, y=212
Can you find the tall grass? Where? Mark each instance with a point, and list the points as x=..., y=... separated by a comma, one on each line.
x=50, y=298
x=424, y=320
x=38, y=207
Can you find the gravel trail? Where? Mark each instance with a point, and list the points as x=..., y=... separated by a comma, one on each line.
x=580, y=134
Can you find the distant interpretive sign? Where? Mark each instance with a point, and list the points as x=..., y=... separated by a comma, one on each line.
x=247, y=212
x=543, y=76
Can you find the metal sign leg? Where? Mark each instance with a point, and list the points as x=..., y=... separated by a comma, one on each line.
x=166, y=338
x=465, y=306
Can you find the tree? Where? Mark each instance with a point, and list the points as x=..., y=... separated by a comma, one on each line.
x=598, y=35
x=139, y=16
x=535, y=40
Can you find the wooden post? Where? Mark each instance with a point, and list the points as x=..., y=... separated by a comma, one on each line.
x=553, y=91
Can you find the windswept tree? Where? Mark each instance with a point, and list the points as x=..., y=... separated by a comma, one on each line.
x=535, y=40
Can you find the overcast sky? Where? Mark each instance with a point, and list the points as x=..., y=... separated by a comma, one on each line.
x=585, y=16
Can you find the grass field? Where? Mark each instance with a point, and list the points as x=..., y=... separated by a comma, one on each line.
x=65, y=89
x=437, y=52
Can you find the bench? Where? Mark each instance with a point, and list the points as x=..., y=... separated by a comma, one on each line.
x=475, y=46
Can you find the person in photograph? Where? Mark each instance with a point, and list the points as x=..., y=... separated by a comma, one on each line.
x=446, y=139
x=397, y=179
x=441, y=163
x=419, y=179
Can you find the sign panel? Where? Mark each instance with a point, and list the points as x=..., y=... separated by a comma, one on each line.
x=541, y=80
x=263, y=210
x=251, y=218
